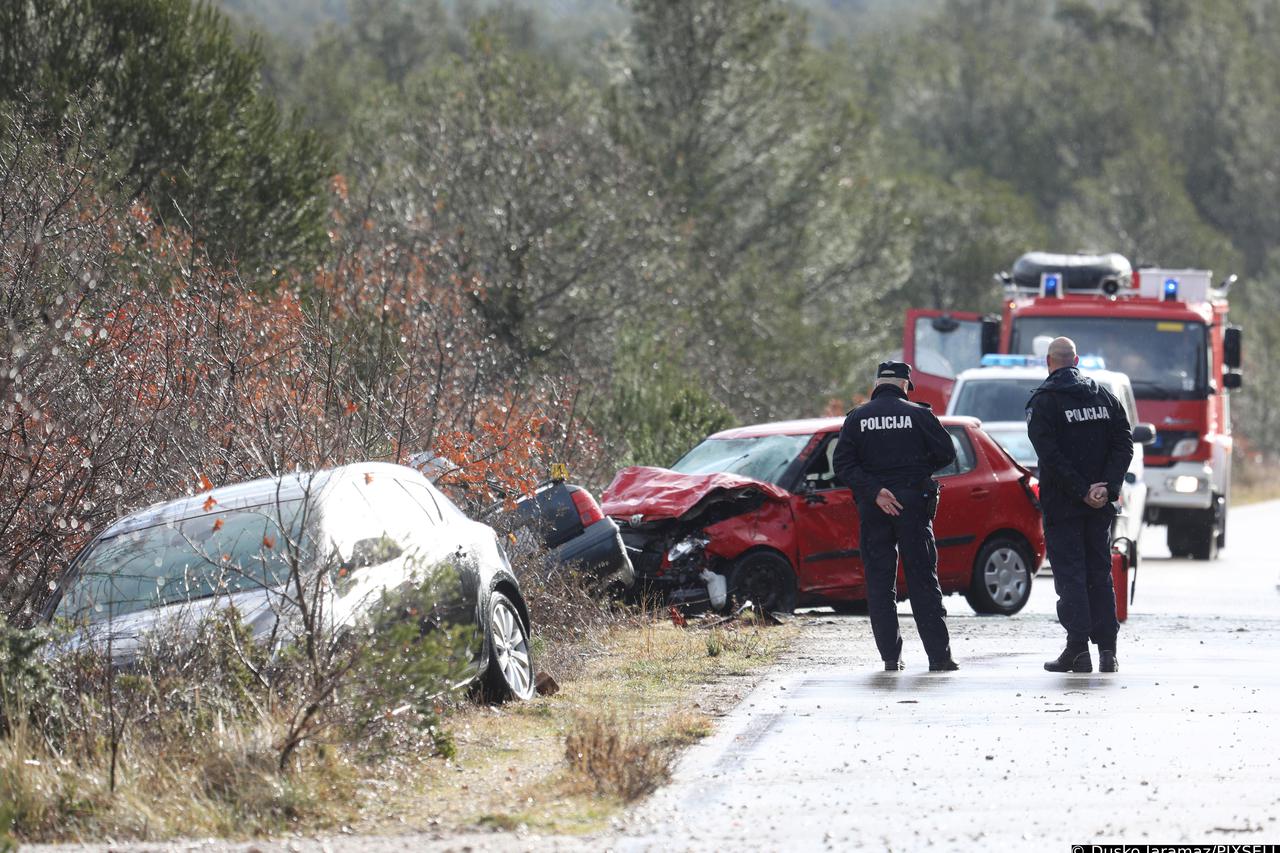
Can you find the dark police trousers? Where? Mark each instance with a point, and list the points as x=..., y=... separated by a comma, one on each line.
x=1079, y=549
x=880, y=537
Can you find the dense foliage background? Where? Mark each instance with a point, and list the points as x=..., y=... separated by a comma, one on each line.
x=243, y=238
x=778, y=179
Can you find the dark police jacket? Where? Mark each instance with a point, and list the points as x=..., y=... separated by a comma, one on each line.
x=1082, y=437
x=890, y=442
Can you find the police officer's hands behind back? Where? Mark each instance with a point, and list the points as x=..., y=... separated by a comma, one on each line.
x=888, y=503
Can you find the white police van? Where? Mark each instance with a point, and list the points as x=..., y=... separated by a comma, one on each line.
x=997, y=392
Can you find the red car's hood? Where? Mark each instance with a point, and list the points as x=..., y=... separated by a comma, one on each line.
x=659, y=493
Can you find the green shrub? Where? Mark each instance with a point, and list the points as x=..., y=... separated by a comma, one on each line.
x=415, y=651
x=660, y=407
x=26, y=683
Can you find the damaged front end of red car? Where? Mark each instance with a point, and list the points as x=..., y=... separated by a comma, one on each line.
x=674, y=528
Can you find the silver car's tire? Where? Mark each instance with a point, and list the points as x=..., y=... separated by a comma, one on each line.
x=1001, y=577
x=510, y=674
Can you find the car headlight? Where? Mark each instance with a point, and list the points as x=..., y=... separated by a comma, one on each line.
x=1185, y=447
x=1184, y=484
x=685, y=547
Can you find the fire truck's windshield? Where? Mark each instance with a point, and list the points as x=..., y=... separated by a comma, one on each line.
x=1164, y=359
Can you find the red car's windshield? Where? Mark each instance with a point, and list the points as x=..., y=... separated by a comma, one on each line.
x=764, y=458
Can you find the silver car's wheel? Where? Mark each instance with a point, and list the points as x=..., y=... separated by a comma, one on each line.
x=510, y=672
x=1001, y=578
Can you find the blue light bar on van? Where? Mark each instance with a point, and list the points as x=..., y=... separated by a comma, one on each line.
x=1087, y=362
x=1006, y=360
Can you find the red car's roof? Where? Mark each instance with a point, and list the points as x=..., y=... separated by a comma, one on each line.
x=809, y=426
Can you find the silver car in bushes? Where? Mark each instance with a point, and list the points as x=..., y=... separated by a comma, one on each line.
x=350, y=533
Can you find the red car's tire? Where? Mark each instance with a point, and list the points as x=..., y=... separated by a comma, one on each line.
x=851, y=608
x=766, y=579
x=1001, y=582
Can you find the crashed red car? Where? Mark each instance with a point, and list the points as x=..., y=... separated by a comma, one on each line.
x=756, y=513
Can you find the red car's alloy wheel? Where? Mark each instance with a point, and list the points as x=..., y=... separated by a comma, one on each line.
x=1001, y=578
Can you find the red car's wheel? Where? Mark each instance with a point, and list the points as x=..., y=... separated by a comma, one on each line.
x=1001, y=577
x=766, y=580
x=850, y=608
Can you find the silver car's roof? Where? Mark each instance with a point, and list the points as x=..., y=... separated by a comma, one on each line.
x=254, y=493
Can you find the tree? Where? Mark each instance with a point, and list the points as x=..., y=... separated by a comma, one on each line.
x=761, y=167
x=962, y=231
x=510, y=159
x=1138, y=204
x=182, y=121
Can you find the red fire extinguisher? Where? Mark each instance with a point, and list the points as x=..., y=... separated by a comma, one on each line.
x=1124, y=559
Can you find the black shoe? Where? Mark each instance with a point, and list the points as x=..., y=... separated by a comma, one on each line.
x=893, y=665
x=947, y=665
x=1071, y=661
x=1107, y=661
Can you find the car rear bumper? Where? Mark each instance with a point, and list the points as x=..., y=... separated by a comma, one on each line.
x=598, y=551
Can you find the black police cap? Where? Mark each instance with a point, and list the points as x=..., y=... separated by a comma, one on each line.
x=896, y=370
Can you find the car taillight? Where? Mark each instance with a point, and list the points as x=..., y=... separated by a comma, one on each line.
x=588, y=510
x=1031, y=486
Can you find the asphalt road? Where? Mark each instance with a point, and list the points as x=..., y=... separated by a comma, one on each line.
x=1182, y=745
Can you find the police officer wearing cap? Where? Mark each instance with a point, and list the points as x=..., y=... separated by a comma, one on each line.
x=1084, y=445
x=888, y=450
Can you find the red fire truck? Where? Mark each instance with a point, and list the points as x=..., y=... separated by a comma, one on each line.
x=1166, y=328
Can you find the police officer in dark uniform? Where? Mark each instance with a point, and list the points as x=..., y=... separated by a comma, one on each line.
x=1084, y=444
x=887, y=453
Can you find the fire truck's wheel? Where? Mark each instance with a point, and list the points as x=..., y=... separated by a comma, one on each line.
x=766, y=580
x=1206, y=529
x=1222, y=527
x=1178, y=536
x=1001, y=581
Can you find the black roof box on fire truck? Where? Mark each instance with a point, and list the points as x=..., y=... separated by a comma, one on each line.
x=1080, y=273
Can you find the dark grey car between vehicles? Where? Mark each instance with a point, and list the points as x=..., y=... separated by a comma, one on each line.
x=566, y=521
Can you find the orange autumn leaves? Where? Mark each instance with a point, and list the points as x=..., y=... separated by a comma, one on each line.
x=160, y=374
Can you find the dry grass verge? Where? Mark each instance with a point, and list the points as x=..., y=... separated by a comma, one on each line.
x=1254, y=481
x=655, y=681
x=562, y=763
x=225, y=785
x=617, y=757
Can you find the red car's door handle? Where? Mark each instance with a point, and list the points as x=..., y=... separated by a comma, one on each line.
x=979, y=492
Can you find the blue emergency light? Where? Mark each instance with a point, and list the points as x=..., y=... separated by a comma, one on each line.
x=1050, y=284
x=1170, y=289
x=1006, y=360
x=1087, y=362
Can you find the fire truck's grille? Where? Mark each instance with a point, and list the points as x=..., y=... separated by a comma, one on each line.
x=1166, y=440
